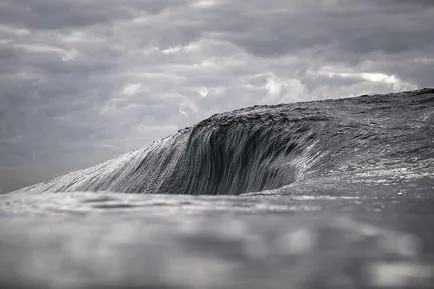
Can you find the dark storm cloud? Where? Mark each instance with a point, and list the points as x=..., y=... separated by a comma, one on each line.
x=82, y=81
x=339, y=26
x=64, y=14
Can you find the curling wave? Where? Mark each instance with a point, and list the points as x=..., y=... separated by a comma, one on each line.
x=268, y=147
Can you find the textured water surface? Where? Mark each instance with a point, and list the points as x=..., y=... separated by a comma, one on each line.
x=333, y=194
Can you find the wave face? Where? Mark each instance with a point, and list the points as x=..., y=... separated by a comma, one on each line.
x=269, y=147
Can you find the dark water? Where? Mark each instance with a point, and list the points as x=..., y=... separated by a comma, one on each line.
x=333, y=194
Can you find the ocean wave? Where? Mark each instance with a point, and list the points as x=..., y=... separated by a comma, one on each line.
x=268, y=147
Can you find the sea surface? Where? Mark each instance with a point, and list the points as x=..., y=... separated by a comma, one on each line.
x=329, y=194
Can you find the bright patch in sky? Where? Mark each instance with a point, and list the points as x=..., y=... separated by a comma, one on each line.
x=205, y=4
x=131, y=89
x=377, y=77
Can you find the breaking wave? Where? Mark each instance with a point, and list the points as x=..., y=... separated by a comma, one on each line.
x=268, y=147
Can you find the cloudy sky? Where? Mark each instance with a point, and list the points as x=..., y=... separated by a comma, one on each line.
x=82, y=81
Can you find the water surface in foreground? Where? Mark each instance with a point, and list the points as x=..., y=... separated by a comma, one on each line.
x=286, y=238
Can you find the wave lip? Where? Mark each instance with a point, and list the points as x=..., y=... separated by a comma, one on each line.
x=267, y=147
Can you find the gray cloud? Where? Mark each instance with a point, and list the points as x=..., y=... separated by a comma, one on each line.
x=334, y=27
x=55, y=15
x=83, y=81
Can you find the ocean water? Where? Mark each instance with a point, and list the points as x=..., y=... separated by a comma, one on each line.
x=330, y=194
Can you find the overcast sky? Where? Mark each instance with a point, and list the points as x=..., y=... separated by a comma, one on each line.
x=82, y=81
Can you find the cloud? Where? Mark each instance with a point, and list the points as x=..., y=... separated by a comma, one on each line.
x=331, y=28
x=83, y=81
x=281, y=91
